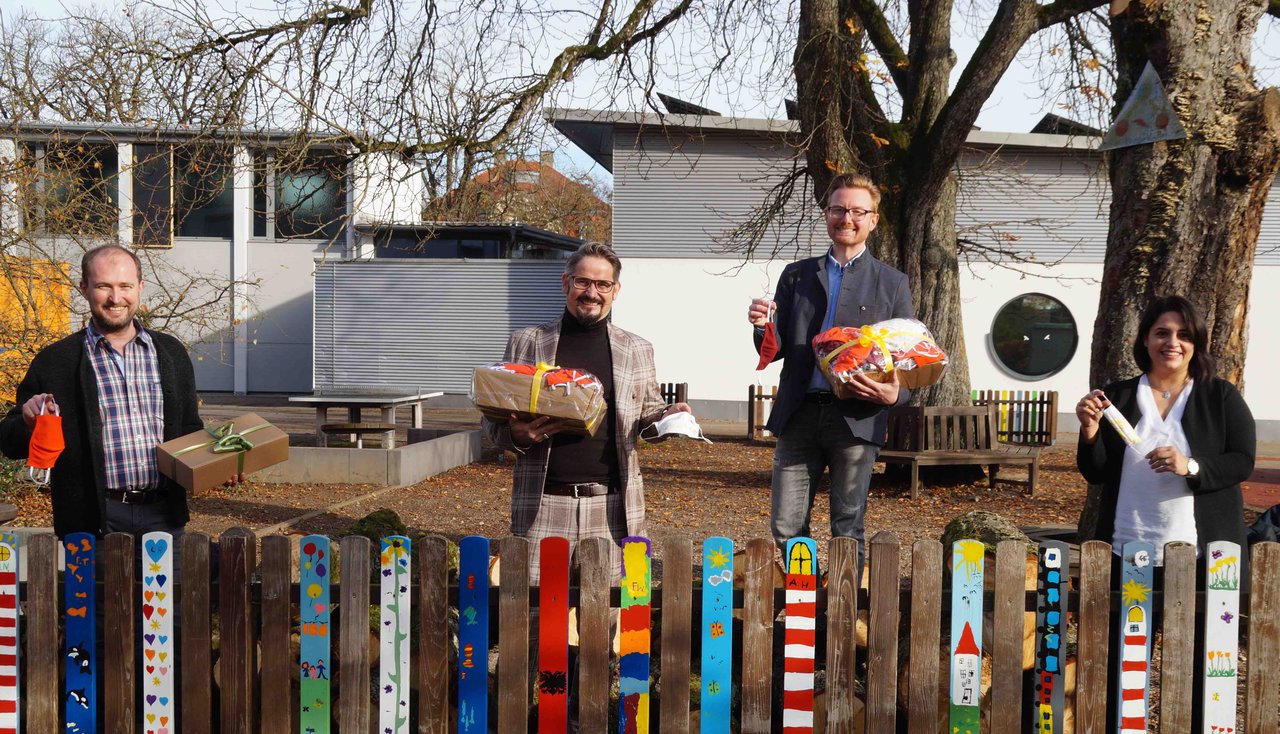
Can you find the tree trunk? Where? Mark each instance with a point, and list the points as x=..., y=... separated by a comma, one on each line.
x=1185, y=214
x=839, y=116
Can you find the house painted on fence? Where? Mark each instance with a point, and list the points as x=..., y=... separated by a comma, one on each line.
x=682, y=182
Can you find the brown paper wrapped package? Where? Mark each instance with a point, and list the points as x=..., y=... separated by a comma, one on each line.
x=498, y=393
x=198, y=469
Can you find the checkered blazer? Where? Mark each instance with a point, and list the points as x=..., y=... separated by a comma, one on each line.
x=638, y=403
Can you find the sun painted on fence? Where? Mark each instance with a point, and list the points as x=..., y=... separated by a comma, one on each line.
x=314, y=654
x=473, y=635
x=1134, y=637
x=633, y=631
x=717, y=635
x=799, y=635
x=1051, y=634
x=80, y=641
x=10, y=704
x=553, y=636
x=159, y=666
x=1221, y=635
x=967, y=559
x=393, y=637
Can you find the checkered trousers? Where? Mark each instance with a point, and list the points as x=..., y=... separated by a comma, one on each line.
x=588, y=517
x=131, y=403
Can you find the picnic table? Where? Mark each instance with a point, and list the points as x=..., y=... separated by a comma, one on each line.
x=355, y=403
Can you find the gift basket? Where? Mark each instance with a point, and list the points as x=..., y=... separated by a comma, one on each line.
x=574, y=397
x=901, y=345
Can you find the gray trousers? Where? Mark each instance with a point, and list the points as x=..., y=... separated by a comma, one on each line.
x=817, y=438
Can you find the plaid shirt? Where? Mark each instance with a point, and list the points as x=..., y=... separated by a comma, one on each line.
x=131, y=403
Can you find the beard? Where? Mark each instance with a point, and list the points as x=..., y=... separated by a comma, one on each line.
x=107, y=324
x=588, y=318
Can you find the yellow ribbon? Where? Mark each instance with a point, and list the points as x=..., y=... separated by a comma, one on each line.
x=868, y=336
x=542, y=369
x=225, y=440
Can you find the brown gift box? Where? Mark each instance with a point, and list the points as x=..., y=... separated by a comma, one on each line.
x=498, y=393
x=192, y=462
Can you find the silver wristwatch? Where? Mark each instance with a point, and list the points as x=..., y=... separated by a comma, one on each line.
x=1193, y=467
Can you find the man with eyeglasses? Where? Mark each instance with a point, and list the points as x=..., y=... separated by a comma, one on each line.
x=846, y=286
x=584, y=486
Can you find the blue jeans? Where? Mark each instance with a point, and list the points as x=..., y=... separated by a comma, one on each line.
x=816, y=438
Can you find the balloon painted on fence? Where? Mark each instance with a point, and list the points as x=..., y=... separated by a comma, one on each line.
x=633, y=648
x=80, y=640
x=1133, y=639
x=473, y=635
x=1051, y=636
x=393, y=636
x=799, y=636
x=1221, y=635
x=717, y=635
x=314, y=655
x=553, y=636
x=10, y=651
x=967, y=558
x=159, y=666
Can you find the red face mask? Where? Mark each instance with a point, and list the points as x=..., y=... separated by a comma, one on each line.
x=768, y=347
x=45, y=447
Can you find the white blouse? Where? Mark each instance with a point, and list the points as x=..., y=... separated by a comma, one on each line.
x=1156, y=508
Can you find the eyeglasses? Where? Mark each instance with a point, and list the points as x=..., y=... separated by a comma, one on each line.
x=602, y=286
x=839, y=212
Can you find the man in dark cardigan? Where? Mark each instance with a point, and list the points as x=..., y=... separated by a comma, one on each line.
x=121, y=389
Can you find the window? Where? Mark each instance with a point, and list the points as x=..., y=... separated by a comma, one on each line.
x=311, y=198
x=152, y=195
x=203, y=194
x=75, y=188
x=1033, y=336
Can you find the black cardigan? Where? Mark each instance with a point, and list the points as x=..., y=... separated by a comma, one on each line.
x=1222, y=438
x=78, y=481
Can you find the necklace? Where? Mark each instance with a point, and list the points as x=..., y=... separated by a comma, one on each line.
x=1167, y=393
x=1164, y=394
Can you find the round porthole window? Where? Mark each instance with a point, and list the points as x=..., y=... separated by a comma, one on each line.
x=1033, y=336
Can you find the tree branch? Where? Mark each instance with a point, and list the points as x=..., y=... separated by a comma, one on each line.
x=329, y=16
x=1060, y=11
x=881, y=36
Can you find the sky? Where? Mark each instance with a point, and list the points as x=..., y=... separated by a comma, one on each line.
x=1016, y=105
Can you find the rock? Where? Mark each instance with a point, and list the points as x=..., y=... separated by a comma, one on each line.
x=375, y=526
x=987, y=527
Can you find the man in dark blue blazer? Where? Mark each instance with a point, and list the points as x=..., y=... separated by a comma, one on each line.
x=816, y=431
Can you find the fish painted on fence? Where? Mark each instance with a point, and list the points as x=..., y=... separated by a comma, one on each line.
x=159, y=664
x=80, y=637
x=313, y=639
x=393, y=636
x=10, y=650
x=717, y=635
x=553, y=635
x=1221, y=635
x=1051, y=635
x=473, y=635
x=1134, y=636
x=967, y=560
x=633, y=631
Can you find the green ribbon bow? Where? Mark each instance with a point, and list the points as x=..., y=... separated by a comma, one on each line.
x=226, y=440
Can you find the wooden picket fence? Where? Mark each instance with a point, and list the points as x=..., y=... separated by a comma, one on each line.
x=1028, y=417
x=256, y=603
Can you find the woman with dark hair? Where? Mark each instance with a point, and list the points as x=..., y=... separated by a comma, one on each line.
x=1195, y=433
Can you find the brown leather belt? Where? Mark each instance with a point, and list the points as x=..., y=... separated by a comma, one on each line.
x=137, y=496
x=577, y=491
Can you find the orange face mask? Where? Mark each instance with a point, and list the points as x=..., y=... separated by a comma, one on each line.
x=45, y=447
x=768, y=346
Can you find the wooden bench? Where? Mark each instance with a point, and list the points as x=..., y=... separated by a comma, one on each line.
x=1028, y=417
x=674, y=392
x=951, y=436
x=756, y=395
x=357, y=432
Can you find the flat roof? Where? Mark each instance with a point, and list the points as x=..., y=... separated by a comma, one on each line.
x=593, y=130
x=46, y=129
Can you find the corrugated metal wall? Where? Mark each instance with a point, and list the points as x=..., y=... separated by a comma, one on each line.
x=678, y=192
x=675, y=194
x=387, y=325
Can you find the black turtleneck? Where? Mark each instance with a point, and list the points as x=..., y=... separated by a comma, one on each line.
x=576, y=459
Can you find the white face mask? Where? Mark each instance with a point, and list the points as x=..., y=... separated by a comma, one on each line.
x=676, y=424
